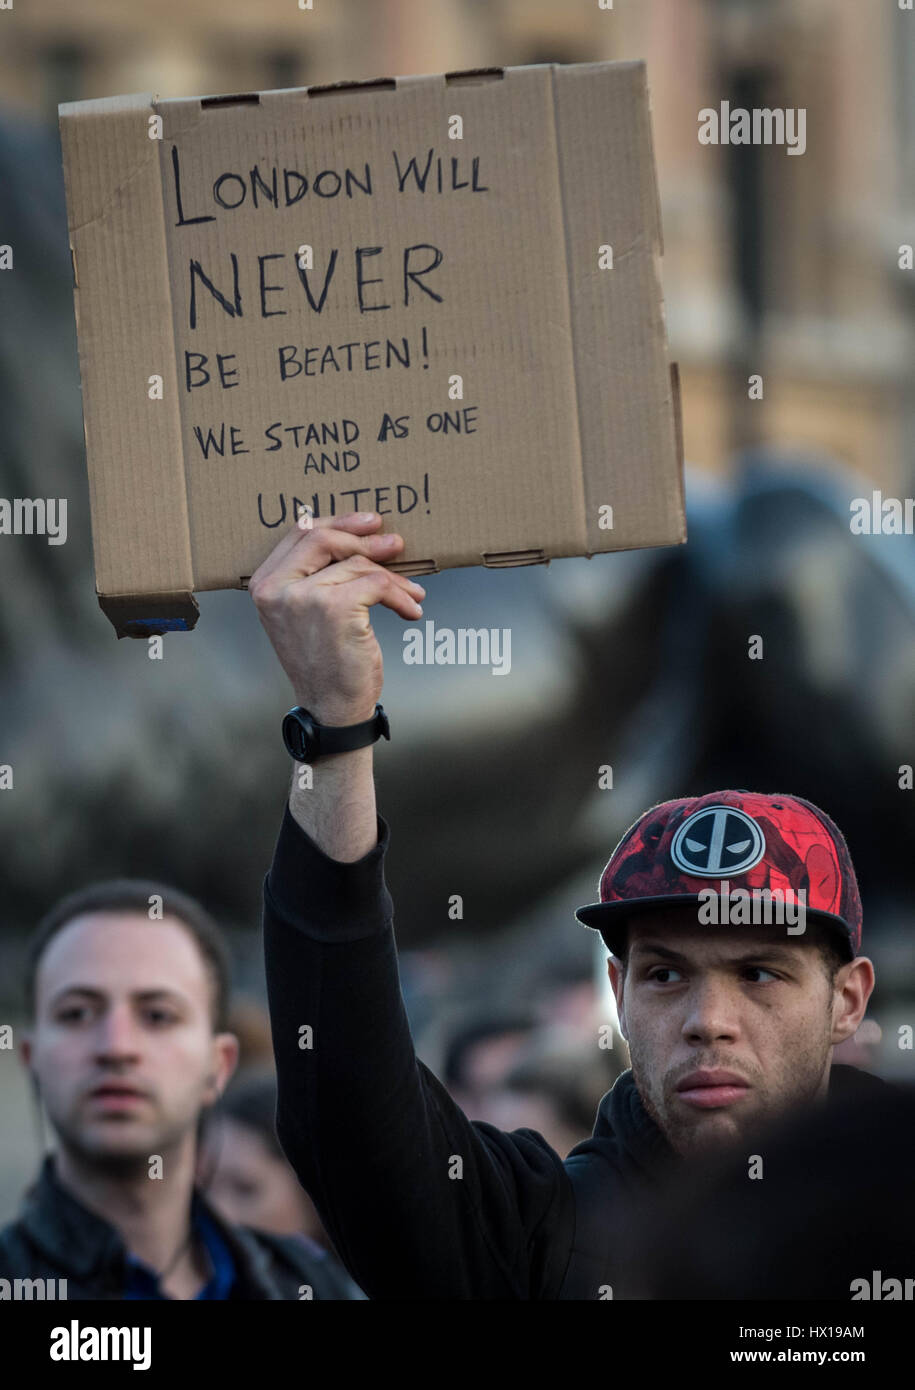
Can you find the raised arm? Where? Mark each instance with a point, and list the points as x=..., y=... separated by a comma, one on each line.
x=313, y=595
x=420, y=1202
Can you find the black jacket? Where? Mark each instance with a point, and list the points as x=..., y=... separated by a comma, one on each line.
x=56, y=1237
x=420, y=1202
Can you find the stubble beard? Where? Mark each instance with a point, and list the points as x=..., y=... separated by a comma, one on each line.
x=711, y=1131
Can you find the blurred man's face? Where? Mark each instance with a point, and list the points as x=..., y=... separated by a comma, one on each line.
x=727, y=1028
x=123, y=1043
x=484, y=1068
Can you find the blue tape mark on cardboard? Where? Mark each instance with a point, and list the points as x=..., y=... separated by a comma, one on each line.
x=143, y=626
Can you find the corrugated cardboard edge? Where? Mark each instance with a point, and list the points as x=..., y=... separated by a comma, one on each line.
x=647, y=351
x=678, y=432
x=137, y=484
x=674, y=366
x=574, y=481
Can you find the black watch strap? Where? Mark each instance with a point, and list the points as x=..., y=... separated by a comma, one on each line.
x=306, y=740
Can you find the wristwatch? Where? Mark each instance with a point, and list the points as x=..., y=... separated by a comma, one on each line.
x=306, y=740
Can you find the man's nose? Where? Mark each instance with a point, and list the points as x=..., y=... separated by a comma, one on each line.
x=116, y=1036
x=712, y=1012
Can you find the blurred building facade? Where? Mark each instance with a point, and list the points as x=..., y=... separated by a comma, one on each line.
x=778, y=265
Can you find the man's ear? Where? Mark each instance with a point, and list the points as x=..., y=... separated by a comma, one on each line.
x=617, y=972
x=226, y=1049
x=854, y=986
x=26, y=1055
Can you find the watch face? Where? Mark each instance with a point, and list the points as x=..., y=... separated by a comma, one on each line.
x=297, y=734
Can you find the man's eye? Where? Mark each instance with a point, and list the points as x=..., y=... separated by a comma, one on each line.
x=161, y=1016
x=666, y=971
x=76, y=1013
x=760, y=970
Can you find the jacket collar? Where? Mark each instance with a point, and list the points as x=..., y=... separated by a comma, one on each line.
x=623, y=1118
x=89, y=1249
x=70, y=1236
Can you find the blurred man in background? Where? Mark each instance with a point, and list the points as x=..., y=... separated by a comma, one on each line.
x=555, y=1088
x=127, y=988
x=479, y=1055
x=521, y=1071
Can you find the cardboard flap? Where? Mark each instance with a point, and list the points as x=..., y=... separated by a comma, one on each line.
x=132, y=424
x=150, y=615
x=627, y=431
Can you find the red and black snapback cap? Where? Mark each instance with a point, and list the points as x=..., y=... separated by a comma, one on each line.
x=753, y=841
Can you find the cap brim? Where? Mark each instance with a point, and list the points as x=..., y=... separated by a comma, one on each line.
x=610, y=919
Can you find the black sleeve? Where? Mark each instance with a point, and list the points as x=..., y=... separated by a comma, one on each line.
x=419, y=1202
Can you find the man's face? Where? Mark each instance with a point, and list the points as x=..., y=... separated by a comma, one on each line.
x=703, y=1005
x=123, y=1044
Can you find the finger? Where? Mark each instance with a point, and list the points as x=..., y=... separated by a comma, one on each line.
x=314, y=550
x=377, y=586
x=362, y=523
x=346, y=570
x=354, y=523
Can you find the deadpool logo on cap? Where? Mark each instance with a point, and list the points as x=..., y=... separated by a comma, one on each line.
x=717, y=841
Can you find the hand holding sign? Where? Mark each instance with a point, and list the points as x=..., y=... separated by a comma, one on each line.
x=313, y=593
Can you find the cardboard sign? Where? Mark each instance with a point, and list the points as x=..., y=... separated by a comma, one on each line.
x=437, y=298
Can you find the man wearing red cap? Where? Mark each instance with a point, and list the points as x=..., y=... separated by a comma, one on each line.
x=775, y=862
x=734, y=924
